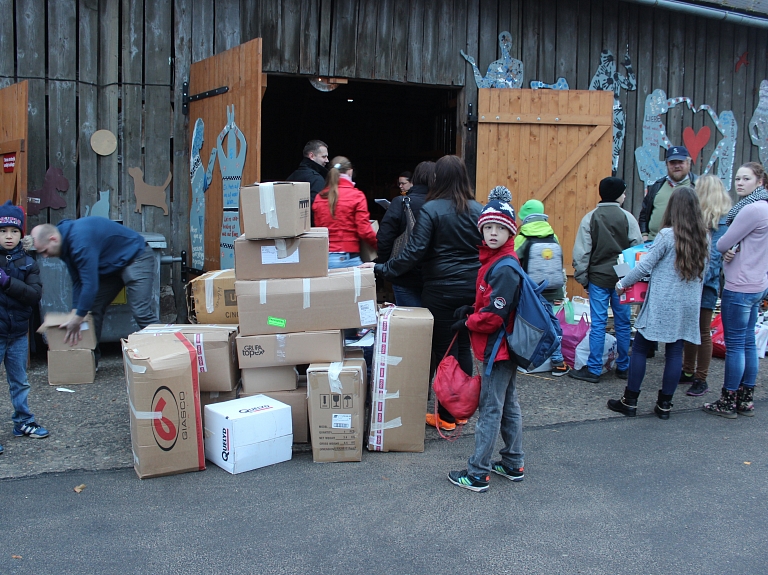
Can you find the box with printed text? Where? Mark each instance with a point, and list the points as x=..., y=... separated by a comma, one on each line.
x=289, y=348
x=211, y=298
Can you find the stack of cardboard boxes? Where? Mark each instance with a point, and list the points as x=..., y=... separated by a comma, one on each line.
x=291, y=311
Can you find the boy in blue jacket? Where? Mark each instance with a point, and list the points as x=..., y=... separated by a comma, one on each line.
x=496, y=299
x=20, y=289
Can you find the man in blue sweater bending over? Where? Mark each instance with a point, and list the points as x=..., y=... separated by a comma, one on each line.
x=102, y=256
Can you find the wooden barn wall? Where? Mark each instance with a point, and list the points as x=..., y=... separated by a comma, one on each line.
x=119, y=65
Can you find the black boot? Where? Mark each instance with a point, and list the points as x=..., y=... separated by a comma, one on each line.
x=627, y=404
x=663, y=406
x=744, y=403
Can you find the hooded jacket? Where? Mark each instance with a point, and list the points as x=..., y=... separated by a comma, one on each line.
x=312, y=172
x=351, y=221
x=496, y=297
x=23, y=291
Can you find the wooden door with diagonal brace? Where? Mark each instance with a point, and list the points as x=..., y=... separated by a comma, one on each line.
x=551, y=145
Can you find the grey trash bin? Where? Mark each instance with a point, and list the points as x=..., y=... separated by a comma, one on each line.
x=118, y=321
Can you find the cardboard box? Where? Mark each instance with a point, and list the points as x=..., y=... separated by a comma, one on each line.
x=211, y=397
x=305, y=256
x=344, y=299
x=297, y=399
x=211, y=298
x=71, y=366
x=275, y=210
x=289, y=349
x=367, y=253
x=54, y=335
x=216, y=353
x=164, y=399
x=264, y=379
x=354, y=353
x=248, y=433
x=635, y=294
x=400, y=377
x=336, y=395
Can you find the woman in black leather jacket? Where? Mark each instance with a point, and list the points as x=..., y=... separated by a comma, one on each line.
x=445, y=243
x=408, y=286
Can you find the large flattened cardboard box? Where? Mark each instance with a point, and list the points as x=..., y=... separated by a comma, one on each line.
x=71, y=366
x=211, y=298
x=344, y=299
x=336, y=395
x=305, y=256
x=275, y=210
x=164, y=399
x=289, y=348
x=297, y=399
x=248, y=433
x=400, y=377
x=55, y=335
x=216, y=352
x=264, y=379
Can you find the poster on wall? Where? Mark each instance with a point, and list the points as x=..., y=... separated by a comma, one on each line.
x=506, y=72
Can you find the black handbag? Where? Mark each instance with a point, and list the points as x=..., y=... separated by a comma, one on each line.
x=410, y=221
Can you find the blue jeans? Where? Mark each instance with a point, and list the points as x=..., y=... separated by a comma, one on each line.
x=338, y=260
x=407, y=297
x=739, y=318
x=14, y=353
x=673, y=364
x=599, y=298
x=557, y=357
x=498, y=411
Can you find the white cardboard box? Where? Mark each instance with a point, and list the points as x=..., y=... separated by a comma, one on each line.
x=248, y=433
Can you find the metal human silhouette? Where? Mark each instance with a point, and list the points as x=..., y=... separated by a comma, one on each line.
x=200, y=179
x=231, y=164
x=506, y=72
x=758, y=125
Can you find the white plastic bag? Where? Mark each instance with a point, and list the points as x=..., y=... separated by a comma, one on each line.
x=580, y=306
x=610, y=353
x=761, y=339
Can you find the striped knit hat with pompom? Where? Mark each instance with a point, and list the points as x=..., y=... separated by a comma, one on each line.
x=498, y=210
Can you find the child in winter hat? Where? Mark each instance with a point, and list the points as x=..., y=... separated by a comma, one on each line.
x=498, y=210
x=11, y=216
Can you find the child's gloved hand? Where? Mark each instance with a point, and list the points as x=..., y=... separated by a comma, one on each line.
x=463, y=311
x=4, y=278
x=460, y=325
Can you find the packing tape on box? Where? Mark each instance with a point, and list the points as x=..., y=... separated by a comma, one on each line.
x=262, y=292
x=356, y=275
x=209, y=303
x=280, y=350
x=200, y=349
x=380, y=395
x=144, y=414
x=392, y=360
x=267, y=204
x=306, y=285
x=134, y=368
x=334, y=370
x=282, y=249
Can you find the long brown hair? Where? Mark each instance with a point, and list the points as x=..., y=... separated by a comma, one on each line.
x=683, y=215
x=338, y=165
x=452, y=183
x=713, y=199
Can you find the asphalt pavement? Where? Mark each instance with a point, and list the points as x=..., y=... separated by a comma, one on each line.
x=602, y=494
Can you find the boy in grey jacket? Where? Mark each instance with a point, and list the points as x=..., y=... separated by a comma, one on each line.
x=603, y=234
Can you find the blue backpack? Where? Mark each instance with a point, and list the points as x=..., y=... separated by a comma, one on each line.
x=536, y=332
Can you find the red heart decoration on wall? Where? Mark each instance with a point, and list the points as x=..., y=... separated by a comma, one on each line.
x=696, y=142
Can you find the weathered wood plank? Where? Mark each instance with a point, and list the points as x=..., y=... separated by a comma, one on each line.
x=567, y=41
x=87, y=101
x=711, y=86
x=344, y=38
x=7, y=47
x=583, y=60
x=488, y=38
x=132, y=107
x=327, y=53
x=430, y=47
x=643, y=70
x=291, y=45
x=415, y=42
x=251, y=20
x=310, y=37
x=530, y=39
x=676, y=116
x=739, y=95
x=629, y=41
x=384, y=39
x=399, y=46
x=444, y=52
x=109, y=46
x=366, y=39
x=202, y=29
x=467, y=147
x=227, y=24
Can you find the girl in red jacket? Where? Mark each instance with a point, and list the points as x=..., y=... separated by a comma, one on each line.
x=495, y=304
x=343, y=209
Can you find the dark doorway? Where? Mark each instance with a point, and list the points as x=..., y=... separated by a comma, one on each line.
x=384, y=129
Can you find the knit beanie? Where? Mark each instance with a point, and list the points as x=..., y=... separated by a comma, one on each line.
x=611, y=189
x=498, y=210
x=11, y=216
x=530, y=207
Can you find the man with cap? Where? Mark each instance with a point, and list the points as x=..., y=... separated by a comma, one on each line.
x=603, y=234
x=655, y=201
x=20, y=291
x=102, y=256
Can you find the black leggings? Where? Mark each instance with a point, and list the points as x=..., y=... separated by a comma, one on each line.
x=442, y=301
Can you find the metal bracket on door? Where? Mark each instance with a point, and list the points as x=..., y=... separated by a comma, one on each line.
x=471, y=118
x=186, y=99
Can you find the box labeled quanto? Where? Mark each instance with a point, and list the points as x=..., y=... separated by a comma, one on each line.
x=275, y=210
x=211, y=298
x=400, y=377
x=71, y=366
x=216, y=354
x=344, y=299
x=297, y=399
x=264, y=379
x=289, y=348
x=164, y=399
x=55, y=335
x=336, y=395
x=248, y=433
x=302, y=257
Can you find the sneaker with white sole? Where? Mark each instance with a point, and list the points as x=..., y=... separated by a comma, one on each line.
x=30, y=429
x=509, y=472
x=467, y=481
x=559, y=369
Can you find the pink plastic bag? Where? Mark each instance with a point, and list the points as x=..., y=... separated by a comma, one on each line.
x=572, y=335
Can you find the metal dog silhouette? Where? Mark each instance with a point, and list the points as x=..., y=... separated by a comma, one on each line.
x=147, y=195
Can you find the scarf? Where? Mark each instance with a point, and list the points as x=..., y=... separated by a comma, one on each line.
x=758, y=194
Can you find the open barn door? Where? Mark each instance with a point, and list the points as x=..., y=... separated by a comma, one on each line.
x=552, y=145
x=13, y=138
x=224, y=96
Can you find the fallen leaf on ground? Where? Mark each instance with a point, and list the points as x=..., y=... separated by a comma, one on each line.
x=79, y=488
x=747, y=463
x=16, y=557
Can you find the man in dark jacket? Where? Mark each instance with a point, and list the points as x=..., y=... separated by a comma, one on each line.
x=102, y=256
x=655, y=201
x=312, y=167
